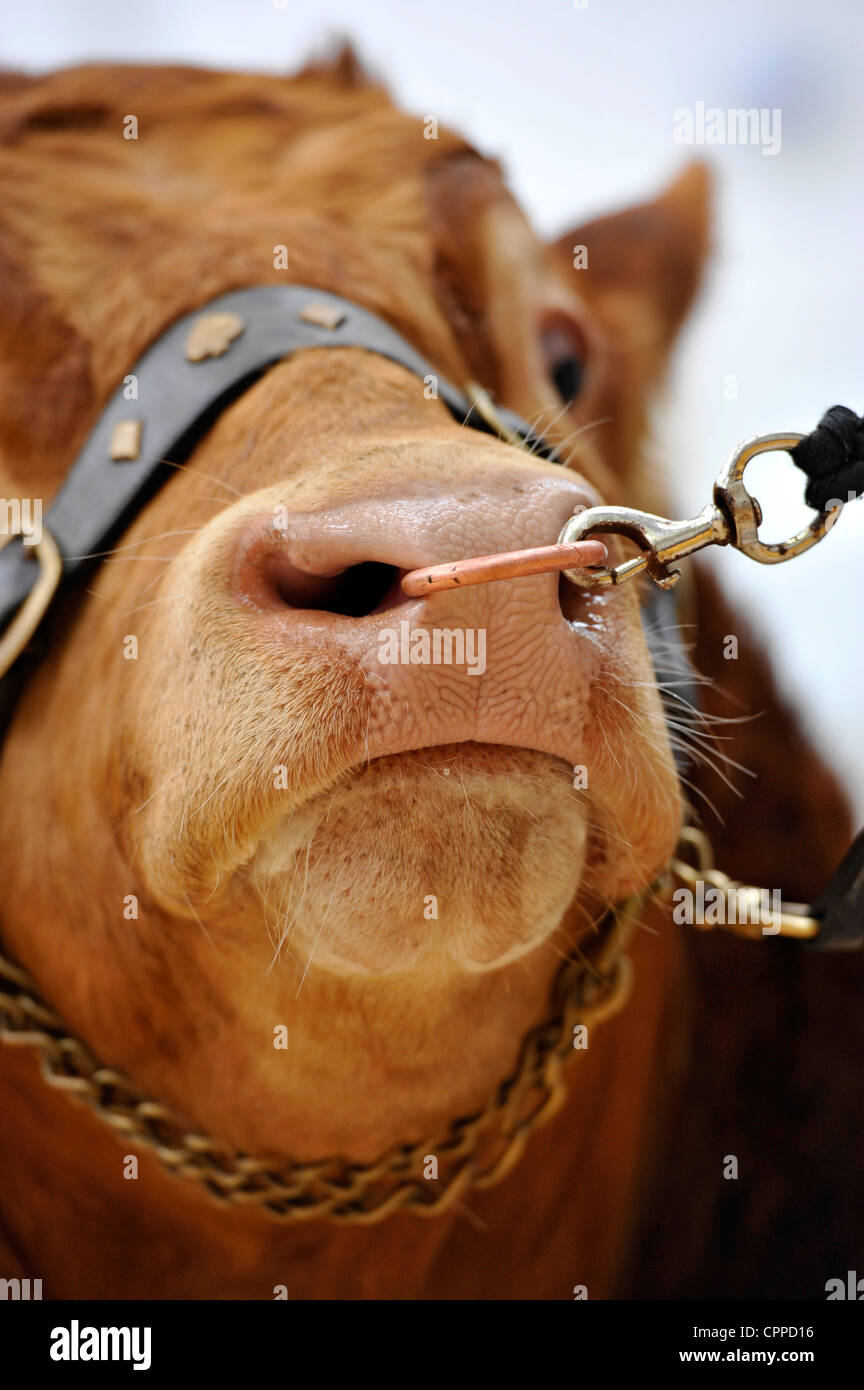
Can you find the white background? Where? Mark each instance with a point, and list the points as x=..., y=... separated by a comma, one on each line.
x=579, y=105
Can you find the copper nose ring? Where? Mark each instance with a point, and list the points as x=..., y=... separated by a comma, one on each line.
x=510, y=564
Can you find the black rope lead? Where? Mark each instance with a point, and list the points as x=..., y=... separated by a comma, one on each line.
x=832, y=456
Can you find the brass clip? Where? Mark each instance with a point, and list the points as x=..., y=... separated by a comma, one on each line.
x=793, y=920
x=32, y=610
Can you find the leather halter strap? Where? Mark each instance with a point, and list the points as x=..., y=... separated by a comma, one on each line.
x=178, y=399
x=182, y=383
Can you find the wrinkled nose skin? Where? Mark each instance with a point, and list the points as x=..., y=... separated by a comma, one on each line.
x=349, y=751
x=496, y=663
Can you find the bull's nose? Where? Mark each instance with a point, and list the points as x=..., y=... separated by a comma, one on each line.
x=349, y=561
x=509, y=664
x=315, y=604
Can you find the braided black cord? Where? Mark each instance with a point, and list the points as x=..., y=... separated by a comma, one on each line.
x=832, y=456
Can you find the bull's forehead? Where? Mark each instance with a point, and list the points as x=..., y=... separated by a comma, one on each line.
x=229, y=181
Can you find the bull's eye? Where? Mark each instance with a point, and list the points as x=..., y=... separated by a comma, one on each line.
x=563, y=348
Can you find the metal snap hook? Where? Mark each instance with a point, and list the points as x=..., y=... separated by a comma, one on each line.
x=732, y=518
x=662, y=542
x=745, y=513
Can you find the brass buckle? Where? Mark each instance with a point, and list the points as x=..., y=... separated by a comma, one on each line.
x=732, y=518
x=34, y=606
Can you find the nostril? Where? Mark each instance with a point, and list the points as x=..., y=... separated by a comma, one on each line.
x=354, y=592
x=272, y=570
x=569, y=598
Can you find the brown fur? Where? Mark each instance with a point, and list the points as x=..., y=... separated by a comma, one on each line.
x=102, y=243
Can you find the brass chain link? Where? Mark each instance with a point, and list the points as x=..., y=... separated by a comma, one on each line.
x=476, y=1150
x=751, y=917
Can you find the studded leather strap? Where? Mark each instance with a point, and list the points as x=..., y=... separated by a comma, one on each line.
x=183, y=381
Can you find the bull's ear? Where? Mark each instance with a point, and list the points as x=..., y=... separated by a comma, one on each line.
x=639, y=269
